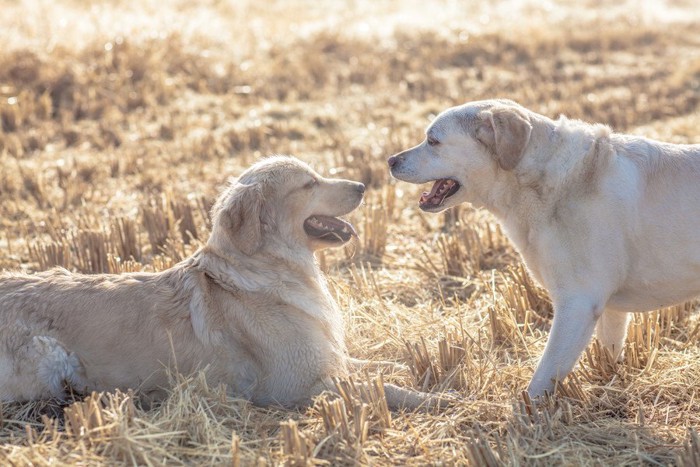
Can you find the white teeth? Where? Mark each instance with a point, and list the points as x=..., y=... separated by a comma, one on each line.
x=443, y=186
x=317, y=224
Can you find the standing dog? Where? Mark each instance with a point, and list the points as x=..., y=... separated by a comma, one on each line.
x=609, y=224
x=251, y=306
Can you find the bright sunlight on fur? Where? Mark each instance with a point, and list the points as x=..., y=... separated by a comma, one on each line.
x=120, y=124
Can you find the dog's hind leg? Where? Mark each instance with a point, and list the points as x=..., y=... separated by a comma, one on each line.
x=57, y=368
x=35, y=367
x=611, y=331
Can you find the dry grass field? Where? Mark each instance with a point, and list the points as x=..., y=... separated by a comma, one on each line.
x=119, y=121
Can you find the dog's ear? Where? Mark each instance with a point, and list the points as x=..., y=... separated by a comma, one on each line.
x=506, y=132
x=238, y=215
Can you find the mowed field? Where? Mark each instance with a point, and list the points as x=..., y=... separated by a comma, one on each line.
x=120, y=121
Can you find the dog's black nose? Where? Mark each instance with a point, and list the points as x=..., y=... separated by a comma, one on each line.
x=360, y=187
x=393, y=160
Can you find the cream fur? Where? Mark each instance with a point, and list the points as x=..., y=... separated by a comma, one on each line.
x=251, y=308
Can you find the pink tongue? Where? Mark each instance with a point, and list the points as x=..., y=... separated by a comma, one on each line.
x=426, y=196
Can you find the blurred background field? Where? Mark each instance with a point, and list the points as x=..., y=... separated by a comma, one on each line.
x=119, y=121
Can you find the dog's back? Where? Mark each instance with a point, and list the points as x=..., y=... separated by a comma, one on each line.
x=97, y=332
x=663, y=237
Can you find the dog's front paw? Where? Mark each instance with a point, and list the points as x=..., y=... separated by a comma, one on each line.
x=358, y=365
x=537, y=388
x=447, y=399
x=399, y=368
x=440, y=401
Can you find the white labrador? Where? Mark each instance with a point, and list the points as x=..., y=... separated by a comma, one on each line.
x=607, y=223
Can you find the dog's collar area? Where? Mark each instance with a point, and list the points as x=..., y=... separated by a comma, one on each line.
x=213, y=258
x=226, y=285
x=442, y=189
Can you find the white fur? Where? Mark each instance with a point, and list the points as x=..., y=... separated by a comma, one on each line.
x=607, y=223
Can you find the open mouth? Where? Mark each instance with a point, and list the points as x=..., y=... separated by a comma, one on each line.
x=442, y=189
x=329, y=229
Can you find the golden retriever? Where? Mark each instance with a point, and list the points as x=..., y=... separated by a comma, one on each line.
x=609, y=224
x=251, y=306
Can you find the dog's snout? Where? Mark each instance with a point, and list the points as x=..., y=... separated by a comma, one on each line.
x=360, y=187
x=393, y=160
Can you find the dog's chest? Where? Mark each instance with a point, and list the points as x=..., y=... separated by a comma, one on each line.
x=301, y=358
x=527, y=242
x=318, y=304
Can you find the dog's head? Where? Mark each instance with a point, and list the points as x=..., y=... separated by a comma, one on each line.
x=282, y=203
x=464, y=150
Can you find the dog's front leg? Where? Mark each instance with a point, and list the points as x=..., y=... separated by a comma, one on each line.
x=357, y=365
x=397, y=398
x=572, y=329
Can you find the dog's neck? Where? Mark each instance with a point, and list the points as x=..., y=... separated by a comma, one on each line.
x=302, y=286
x=255, y=273
x=576, y=153
x=549, y=177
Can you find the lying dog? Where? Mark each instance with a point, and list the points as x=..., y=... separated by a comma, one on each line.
x=608, y=223
x=252, y=306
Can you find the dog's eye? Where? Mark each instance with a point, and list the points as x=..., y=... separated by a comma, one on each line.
x=432, y=141
x=311, y=184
